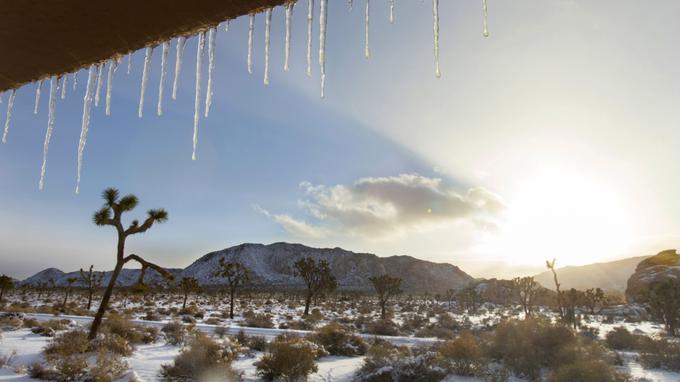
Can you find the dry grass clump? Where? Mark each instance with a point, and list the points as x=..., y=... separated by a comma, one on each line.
x=336, y=340
x=175, y=333
x=258, y=320
x=203, y=359
x=463, y=356
x=660, y=354
x=388, y=363
x=289, y=359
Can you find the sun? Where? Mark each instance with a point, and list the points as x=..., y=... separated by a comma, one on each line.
x=569, y=215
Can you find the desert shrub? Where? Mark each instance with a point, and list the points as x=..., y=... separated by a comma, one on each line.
x=67, y=344
x=588, y=371
x=212, y=321
x=50, y=328
x=151, y=316
x=463, y=356
x=31, y=322
x=660, y=354
x=10, y=323
x=528, y=345
x=69, y=368
x=107, y=367
x=175, y=333
x=257, y=343
x=289, y=359
x=122, y=326
x=6, y=360
x=114, y=343
x=382, y=328
x=297, y=325
x=337, y=341
x=621, y=339
x=435, y=331
x=258, y=320
x=387, y=363
x=203, y=358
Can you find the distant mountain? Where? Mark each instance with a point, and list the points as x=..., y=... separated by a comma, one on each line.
x=611, y=276
x=272, y=265
x=661, y=267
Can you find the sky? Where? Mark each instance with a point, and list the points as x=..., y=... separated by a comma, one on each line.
x=555, y=137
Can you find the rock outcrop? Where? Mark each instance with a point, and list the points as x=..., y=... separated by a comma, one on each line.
x=663, y=266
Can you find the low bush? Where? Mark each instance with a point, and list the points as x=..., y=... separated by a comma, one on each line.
x=620, y=338
x=175, y=333
x=289, y=359
x=382, y=328
x=203, y=359
x=588, y=371
x=660, y=354
x=387, y=363
x=463, y=356
x=258, y=320
x=336, y=340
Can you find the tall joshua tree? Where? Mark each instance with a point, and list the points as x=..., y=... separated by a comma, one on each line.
x=525, y=289
x=69, y=286
x=551, y=265
x=111, y=214
x=92, y=281
x=317, y=278
x=188, y=285
x=385, y=286
x=6, y=284
x=236, y=274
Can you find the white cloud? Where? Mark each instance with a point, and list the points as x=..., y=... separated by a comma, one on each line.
x=377, y=207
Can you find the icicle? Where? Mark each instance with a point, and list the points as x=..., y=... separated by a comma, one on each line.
x=50, y=126
x=10, y=107
x=145, y=76
x=226, y=26
x=75, y=80
x=164, y=59
x=349, y=5
x=486, y=14
x=87, y=107
x=212, y=38
x=37, y=97
x=197, y=95
x=64, y=81
x=251, y=29
x=100, y=68
x=322, y=44
x=113, y=66
x=435, y=27
x=367, y=52
x=391, y=11
x=181, y=43
x=267, y=38
x=310, y=19
x=129, y=68
x=0, y=97
x=289, y=16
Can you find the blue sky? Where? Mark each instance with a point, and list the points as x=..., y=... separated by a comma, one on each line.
x=561, y=124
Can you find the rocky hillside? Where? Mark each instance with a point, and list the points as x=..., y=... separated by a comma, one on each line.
x=273, y=265
x=56, y=277
x=664, y=265
x=609, y=276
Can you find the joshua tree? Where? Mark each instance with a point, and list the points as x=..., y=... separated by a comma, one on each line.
x=111, y=215
x=551, y=265
x=526, y=289
x=317, y=278
x=236, y=274
x=187, y=286
x=69, y=285
x=385, y=286
x=92, y=281
x=593, y=298
x=6, y=284
x=572, y=299
x=664, y=302
x=470, y=297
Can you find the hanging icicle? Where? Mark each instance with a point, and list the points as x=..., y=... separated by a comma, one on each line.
x=289, y=16
x=322, y=44
x=267, y=38
x=161, y=83
x=179, y=54
x=37, y=97
x=212, y=39
x=8, y=117
x=485, y=32
x=64, y=81
x=113, y=66
x=251, y=30
x=50, y=126
x=310, y=19
x=367, y=51
x=435, y=27
x=75, y=80
x=145, y=76
x=197, y=95
x=391, y=11
x=100, y=69
x=226, y=26
x=87, y=107
x=129, y=67
x=349, y=5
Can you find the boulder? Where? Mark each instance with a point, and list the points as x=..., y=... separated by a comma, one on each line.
x=653, y=270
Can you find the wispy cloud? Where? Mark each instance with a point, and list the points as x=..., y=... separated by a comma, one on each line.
x=377, y=207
